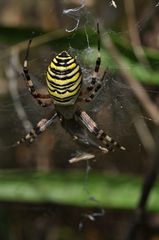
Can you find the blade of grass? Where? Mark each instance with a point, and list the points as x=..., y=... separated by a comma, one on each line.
x=68, y=187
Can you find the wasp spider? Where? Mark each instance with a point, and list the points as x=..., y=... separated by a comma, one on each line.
x=64, y=83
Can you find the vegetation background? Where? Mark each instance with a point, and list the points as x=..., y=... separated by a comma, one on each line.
x=42, y=195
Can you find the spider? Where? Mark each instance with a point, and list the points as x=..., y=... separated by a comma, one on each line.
x=64, y=84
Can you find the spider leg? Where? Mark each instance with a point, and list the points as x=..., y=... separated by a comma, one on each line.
x=97, y=66
x=38, y=96
x=95, y=85
x=96, y=88
x=79, y=133
x=108, y=142
x=41, y=126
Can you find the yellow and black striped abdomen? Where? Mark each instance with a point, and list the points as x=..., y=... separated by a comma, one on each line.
x=64, y=79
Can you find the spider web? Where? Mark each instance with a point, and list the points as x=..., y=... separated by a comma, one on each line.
x=115, y=96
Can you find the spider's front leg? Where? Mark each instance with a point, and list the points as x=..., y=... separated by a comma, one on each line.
x=41, y=126
x=40, y=98
x=109, y=143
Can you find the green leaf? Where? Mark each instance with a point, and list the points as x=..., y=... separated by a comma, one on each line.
x=70, y=187
x=144, y=74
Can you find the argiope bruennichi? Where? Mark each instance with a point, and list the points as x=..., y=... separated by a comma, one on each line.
x=64, y=83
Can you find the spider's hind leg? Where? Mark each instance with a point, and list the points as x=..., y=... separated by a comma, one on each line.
x=79, y=133
x=109, y=143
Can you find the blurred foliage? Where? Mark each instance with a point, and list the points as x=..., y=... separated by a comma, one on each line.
x=62, y=40
x=56, y=182
x=45, y=187
x=20, y=20
x=54, y=185
x=72, y=188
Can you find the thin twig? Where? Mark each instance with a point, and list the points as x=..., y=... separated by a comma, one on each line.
x=133, y=32
x=144, y=134
x=11, y=73
x=147, y=187
x=37, y=41
x=136, y=87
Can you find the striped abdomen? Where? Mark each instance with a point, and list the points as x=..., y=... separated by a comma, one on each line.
x=64, y=79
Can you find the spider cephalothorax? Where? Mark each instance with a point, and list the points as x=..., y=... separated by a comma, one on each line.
x=64, y=82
